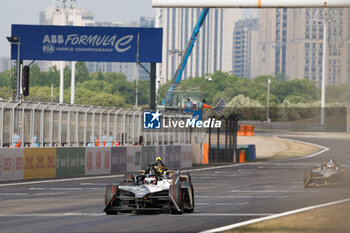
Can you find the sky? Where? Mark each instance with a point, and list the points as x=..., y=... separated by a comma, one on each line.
x=27, y=12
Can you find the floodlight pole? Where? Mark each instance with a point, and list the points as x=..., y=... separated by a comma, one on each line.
x=61, y=64
x=268, y=101
x=15, y=40
x=323, y=82
x=72, y=89
x=18, y=76
x=137, y=71
x=327, y=16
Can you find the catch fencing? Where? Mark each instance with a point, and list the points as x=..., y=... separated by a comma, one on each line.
x=28, y=124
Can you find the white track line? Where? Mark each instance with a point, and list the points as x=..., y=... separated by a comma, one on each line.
x=244, y=197
x=65, y=189
x=241, y=224
x=222, y=204
x=52, y=214
x=269, y=191
x=230, y=214
x=323, y=149
x=60, y=180
x=105, y=177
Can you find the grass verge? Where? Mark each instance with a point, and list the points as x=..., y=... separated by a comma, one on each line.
x=331, y=219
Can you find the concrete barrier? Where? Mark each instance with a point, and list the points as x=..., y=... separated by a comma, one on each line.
x=162, y=152
x=11, y=164
x=177, y=157
x=70, y=161
x=148, y=155
x=169, y=151
x=32, y=163
x=186, y=153
x=39, y=163
x=98, y=160
x=134, y=158
x=118, y=160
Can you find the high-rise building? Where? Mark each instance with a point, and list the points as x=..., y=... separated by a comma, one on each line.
x=291, y=44
x=5, y=64
x=213, y=49
x=245, y=43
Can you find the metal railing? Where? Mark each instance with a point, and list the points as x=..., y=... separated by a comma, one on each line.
x=29, y=124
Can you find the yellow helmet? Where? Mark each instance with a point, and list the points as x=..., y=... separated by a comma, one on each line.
x=158, y=158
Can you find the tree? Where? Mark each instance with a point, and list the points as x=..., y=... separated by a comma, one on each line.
x=36, y=77
x=307, y=90
x=6, y=78
x=81, y=72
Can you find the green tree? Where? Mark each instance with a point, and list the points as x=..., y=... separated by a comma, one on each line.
x=6, y=78
x=81, y=72
x=307, y=90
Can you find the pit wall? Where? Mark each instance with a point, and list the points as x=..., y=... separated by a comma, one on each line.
x=34, y=163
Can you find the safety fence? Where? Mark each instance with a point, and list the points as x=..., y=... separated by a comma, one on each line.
x=28, y=124
x=32, y=163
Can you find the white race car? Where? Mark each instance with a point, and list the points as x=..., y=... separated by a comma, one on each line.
x=327, y=174
x=154, y=189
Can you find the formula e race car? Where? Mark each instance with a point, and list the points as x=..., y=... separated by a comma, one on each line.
x=327, y=174
x=155, y=189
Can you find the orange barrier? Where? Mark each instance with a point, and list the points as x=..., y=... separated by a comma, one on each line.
x=242, y=156
x=246, y=130
x=239, y=133
x=250, y=130
x=205, y=153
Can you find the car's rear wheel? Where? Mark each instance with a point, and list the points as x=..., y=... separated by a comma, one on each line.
x=177, y=197
x=307, y=177
x=187, y=174
x=110, y=192
x=188, y=196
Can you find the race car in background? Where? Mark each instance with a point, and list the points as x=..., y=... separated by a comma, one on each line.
x=155, y=189
x=327, y=174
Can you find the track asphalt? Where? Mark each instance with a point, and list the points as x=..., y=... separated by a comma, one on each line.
x=223, y=196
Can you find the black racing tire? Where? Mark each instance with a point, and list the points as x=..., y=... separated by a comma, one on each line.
x=110, y=191
x=176, y=193
x=307, y=177
x=187, y=174
x=191, y=209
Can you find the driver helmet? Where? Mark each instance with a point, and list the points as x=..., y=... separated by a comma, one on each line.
x=150, y=180
x=330, y=164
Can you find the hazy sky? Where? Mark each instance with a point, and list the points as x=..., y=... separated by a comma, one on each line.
x=27, y=12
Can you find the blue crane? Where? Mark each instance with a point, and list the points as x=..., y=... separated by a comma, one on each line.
x=178, y=74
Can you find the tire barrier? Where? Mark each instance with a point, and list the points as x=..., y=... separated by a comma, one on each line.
x=34, y=163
